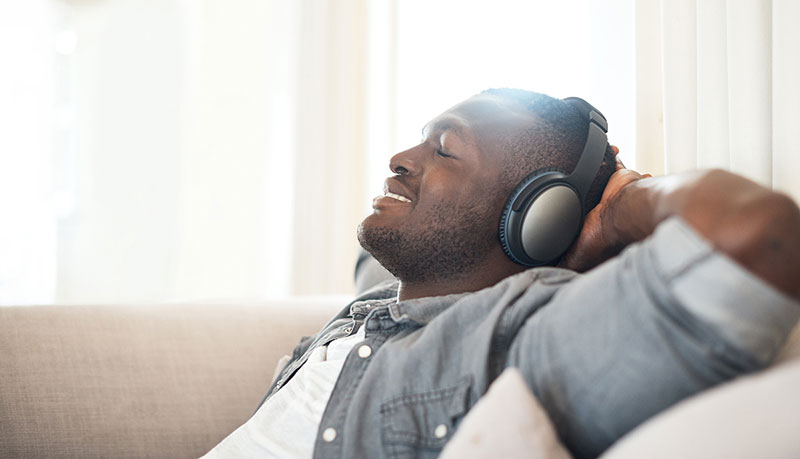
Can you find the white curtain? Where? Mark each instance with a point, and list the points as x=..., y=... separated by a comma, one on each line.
x=215, y=152
x=199, y=149
x=717, y=86
x=211, y=150
x=277, y=108
x=331, y=144
x=28, y=178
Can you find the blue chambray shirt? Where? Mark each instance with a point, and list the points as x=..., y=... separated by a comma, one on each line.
x=602, y=351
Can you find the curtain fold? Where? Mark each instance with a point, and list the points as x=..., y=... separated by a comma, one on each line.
x=786, y=96
x=331, y=144
x=750, y=88
x=717, y=81
x=679, y=68
x=712, y=85
x=649, y=111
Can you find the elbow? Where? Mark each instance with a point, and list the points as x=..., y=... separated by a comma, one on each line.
x=755, y=226
x=761, y=231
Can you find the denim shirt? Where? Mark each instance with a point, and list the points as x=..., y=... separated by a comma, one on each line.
x=602, y=351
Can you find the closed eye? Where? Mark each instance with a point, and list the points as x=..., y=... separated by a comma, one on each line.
x=443, y=154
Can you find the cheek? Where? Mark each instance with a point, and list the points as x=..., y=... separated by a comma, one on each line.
x=491, y=200
x=456, y=183
x=443, y=187
x=460, y=188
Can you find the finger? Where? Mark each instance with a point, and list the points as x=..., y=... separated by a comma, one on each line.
x=632, y=174
x=625, y=176
x=620, y=165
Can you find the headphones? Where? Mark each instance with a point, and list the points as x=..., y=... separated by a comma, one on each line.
x=545, y=212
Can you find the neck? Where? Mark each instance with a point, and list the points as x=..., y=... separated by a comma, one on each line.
x=492, y=271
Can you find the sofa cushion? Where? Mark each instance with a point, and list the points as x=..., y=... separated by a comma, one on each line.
x=751, y=416
x=507, y=421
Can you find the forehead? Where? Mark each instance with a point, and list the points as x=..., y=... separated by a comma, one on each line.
x=483, y=119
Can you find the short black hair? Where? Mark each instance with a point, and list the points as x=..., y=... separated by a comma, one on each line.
x=554, y=141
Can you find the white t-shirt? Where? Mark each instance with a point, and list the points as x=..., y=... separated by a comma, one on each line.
x=286, y=425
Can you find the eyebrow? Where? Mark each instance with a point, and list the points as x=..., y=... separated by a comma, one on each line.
x=445, y=125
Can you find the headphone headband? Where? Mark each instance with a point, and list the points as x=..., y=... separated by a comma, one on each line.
x=593, y=149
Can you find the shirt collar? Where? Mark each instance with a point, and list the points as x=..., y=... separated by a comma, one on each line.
x=359, y=309
x=423, y=310
x=419, y=310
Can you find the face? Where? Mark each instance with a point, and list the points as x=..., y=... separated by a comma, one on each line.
x=439, y=214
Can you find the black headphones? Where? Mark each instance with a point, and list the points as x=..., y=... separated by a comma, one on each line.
x=545, y=212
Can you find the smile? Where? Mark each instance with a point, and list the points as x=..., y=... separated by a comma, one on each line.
x=389, y=194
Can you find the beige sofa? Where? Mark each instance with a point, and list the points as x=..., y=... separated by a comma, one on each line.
x=158, y=381
x=172, y=380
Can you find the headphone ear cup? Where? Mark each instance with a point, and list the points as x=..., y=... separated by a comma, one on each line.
x=510, y=230
x=550, y=222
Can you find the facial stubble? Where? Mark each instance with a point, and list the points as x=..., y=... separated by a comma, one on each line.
x=448, y=244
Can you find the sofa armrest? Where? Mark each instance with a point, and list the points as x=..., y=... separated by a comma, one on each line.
x=166, y=380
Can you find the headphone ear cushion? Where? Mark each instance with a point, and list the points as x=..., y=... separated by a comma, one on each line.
x=507, y=232
x=503, y=223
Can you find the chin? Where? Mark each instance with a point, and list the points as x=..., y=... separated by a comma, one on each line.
x=375, y=230
x=362, y=233
x=377, y=240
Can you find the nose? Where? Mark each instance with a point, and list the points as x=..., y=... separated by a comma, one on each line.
x=405, y=163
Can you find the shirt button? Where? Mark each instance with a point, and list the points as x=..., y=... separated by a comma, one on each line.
x=440, y=431
x=364, y=351
x=329, y=434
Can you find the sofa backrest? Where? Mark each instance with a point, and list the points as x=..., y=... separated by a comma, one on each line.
x=166, y=380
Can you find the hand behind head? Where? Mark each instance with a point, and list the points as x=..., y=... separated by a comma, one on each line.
x=596, y=243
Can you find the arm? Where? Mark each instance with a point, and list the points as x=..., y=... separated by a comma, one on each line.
x=701, y=300
x=758, y=228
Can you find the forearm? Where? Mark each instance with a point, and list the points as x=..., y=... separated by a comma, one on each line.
x=672, y=316
x=758, y=228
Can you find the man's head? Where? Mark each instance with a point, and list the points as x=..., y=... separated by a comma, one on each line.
x=553, y=141
x=458, y=179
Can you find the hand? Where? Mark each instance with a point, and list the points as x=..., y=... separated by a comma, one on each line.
x=596, y=243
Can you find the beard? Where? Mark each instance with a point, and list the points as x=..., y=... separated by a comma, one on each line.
x=447, y=244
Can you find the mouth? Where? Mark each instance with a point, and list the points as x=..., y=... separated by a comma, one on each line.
x=395, y=195
x=395, y=189
x=401, y=198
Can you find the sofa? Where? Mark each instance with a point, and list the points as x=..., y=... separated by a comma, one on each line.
x=171, y=380
x=143, y=381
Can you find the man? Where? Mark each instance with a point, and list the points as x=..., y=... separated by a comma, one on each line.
x=707, y=289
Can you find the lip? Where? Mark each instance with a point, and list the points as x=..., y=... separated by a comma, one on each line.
x=395, y=186
x=384, y=202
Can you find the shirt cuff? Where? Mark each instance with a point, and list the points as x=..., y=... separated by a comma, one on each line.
x=741, y=308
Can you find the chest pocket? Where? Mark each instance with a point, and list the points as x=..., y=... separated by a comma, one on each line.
x=419, y=425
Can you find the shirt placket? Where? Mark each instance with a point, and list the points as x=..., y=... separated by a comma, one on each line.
x=379, y=327
x=339, y=329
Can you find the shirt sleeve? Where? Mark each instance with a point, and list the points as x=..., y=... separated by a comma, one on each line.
x=666, y=319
